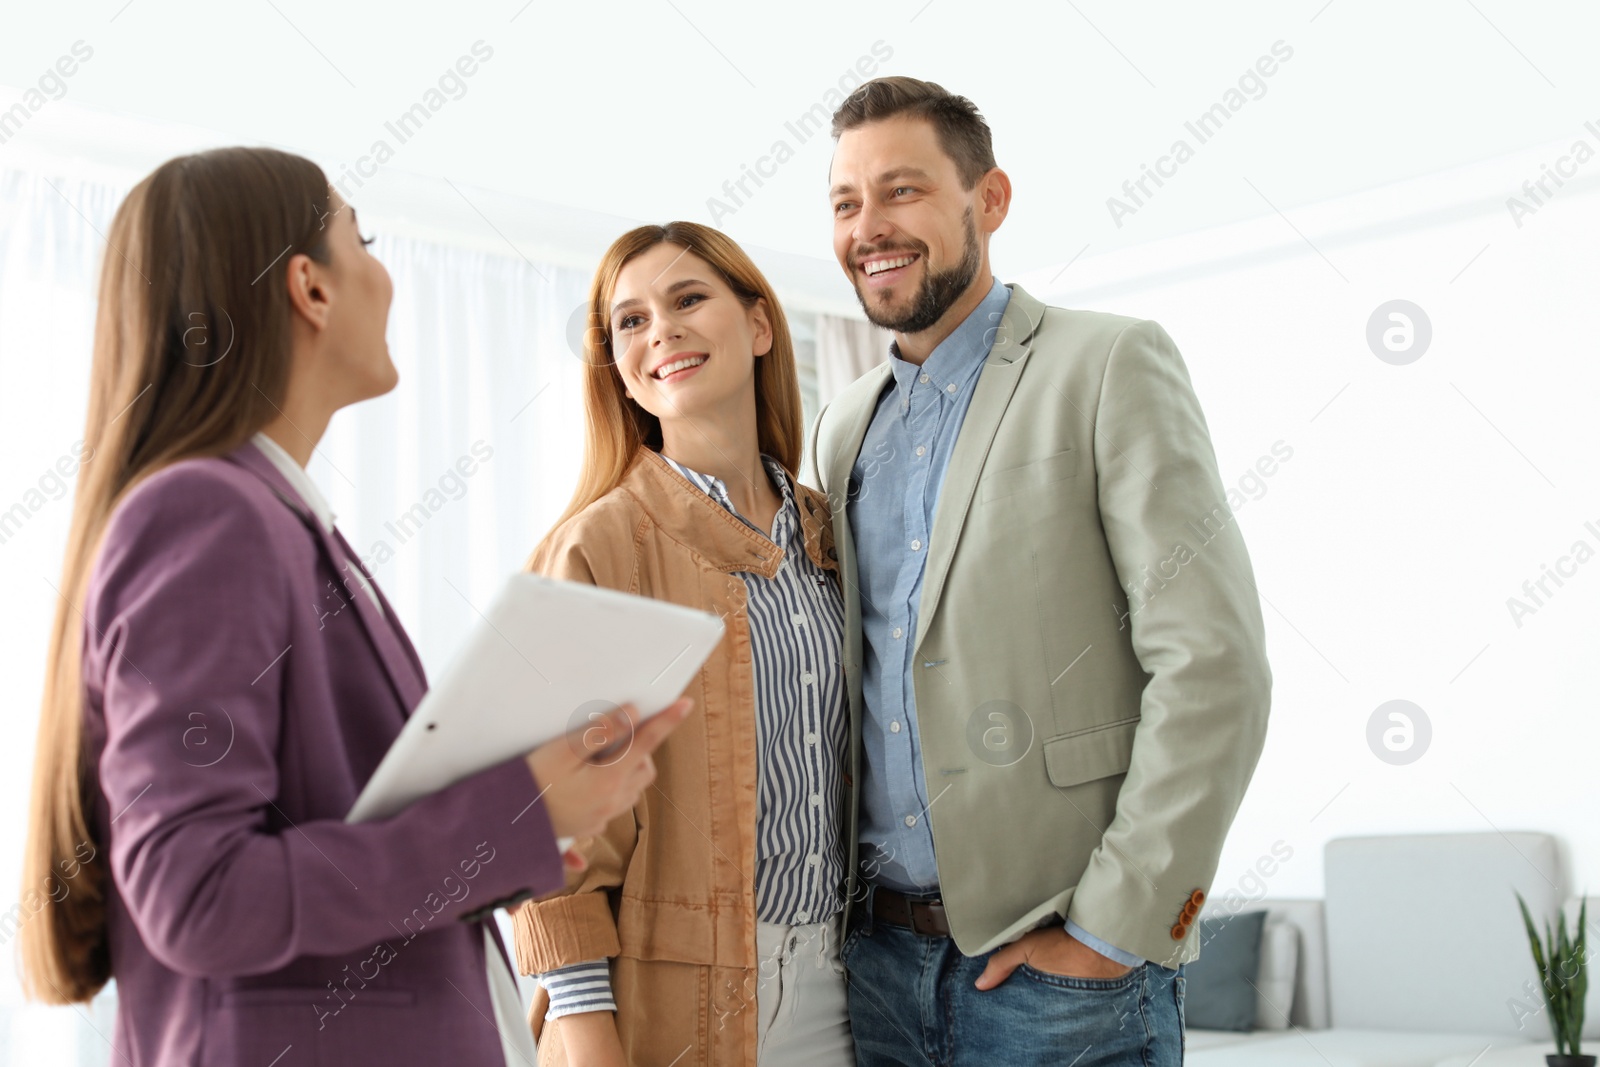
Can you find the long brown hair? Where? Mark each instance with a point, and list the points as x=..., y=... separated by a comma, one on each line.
x=191, y=357
x=617, y=427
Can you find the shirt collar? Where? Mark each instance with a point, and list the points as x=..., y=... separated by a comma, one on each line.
x=956, y=359
x=717, y=489
x=717, y=537
x=297, y=478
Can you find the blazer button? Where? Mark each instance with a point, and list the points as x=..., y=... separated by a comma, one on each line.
x=1189, y=911
x=1198, y=897
x=833, y=554
x=1178, y=931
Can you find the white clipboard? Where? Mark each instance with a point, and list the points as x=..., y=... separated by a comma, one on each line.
x=546, y=658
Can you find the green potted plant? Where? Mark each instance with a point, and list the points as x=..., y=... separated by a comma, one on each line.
x=1563, y=977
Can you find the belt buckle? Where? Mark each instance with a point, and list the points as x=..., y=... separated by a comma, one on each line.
x=927, y=918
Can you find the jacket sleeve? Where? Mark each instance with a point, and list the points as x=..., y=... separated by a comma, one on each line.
x=1203, y=712
x=187, y=616
x=576, y=924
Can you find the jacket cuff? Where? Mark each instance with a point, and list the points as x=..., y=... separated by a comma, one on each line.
x=1121, y=903
x=566, y=930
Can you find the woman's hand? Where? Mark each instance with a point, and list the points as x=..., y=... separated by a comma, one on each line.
x=598, y=771
x=590, y=1039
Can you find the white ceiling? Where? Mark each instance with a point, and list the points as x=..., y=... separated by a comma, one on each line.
x=589, y=118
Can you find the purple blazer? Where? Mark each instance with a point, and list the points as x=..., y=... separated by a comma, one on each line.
x=239, y=694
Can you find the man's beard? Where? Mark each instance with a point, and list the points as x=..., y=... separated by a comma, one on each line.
x=939, y=291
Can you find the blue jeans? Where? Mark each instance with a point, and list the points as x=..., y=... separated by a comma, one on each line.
x=913, y=1004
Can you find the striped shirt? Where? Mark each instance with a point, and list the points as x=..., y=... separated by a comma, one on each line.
x=796, y=621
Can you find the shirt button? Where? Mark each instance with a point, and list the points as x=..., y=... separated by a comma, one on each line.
x=813, y=859
x=808, y=678
x=921, y=450
x=911, y=820
x=895, y=632
x=811, y=737
x=916, y=545
x=802, y=916
x=923, y=379
x=950, y=388
x=798, y=619
x=816, y=799
x=894, y=727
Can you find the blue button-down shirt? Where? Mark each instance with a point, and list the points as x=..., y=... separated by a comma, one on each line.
x=893, y=493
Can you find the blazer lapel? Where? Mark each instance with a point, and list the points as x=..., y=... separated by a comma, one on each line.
x=837, y=486
x=401, y=637
x=996, y=382
x=395, y=653
x=399, y=659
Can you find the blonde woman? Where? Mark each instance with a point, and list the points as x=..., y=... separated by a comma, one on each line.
x=704, y=929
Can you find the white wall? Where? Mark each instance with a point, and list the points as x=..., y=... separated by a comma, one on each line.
x=1417, y=500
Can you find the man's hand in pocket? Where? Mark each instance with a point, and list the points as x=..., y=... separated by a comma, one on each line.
x=1053, y=951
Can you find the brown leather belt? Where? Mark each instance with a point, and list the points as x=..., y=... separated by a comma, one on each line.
x=925, y=917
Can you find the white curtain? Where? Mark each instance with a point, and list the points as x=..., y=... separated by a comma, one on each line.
x=444, y=485
x=49, y=257
x=846, y=349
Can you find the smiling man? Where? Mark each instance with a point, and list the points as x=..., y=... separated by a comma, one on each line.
x=1040, y=779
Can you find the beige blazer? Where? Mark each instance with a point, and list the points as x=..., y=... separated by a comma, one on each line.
x=1090, y=669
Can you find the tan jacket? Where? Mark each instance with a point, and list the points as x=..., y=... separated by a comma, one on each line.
x=1091, y=671
x=669, y=891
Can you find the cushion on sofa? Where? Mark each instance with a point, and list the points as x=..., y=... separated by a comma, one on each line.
x=1221, y=983
x=1280, y=955
x=1291, y=981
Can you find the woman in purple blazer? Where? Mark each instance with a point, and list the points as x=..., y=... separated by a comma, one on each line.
x=224, y=677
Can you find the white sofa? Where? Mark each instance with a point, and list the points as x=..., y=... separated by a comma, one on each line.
x=1416, y=957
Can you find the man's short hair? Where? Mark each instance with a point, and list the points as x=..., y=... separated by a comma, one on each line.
x=962, y=132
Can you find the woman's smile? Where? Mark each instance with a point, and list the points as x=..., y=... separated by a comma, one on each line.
x=678, y=368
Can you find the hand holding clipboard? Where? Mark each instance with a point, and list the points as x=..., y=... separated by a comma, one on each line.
x=564, y=674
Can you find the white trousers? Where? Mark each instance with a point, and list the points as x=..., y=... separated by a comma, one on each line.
x=804, y=1017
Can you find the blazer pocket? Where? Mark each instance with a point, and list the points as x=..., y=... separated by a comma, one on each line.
x=1090, y=754
x=1041, y=472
